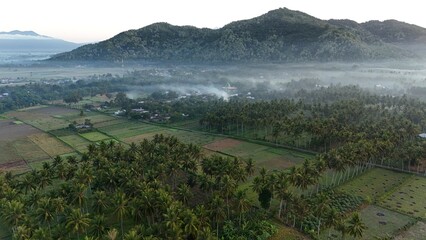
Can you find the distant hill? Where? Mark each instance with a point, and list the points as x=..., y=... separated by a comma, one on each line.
x=29, y=41
x=279, y=35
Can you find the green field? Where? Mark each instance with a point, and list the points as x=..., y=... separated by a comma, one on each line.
x=374, y=183
x=94, y=136
x=128, y=129
x=409, y=198
x=380, y=222
x=75, y=141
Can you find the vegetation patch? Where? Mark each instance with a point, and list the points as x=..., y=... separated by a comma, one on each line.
x=374, y=183
x=48, y=123
x=49, y=144
x=195, y=137
x=287, y=233
x=94, y=136
x=76, y=142
x=409, y=198
x=149, y=136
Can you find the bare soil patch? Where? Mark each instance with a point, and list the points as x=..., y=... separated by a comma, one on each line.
x=9, y=165
x=222, y=144
x=10, y=131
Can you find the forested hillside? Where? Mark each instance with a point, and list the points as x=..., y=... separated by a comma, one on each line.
x=279, y=35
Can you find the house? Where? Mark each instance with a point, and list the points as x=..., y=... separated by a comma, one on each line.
x=422, y=135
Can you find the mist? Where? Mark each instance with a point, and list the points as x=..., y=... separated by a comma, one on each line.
x=181, y=89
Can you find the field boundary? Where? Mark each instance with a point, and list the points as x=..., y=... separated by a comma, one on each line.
x=264, y=143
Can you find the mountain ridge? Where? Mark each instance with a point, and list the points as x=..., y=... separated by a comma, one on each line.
x=29, y=41
x=279, y=35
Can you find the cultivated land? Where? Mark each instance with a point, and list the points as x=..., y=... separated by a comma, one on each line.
x=380, y=222
x=46, y=135
x=41, y=133
x=374, y=183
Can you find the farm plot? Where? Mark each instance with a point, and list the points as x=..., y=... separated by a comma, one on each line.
x=109, y=123
x=416, y=232
x=139, y=138
x=128, y=129
x=409, y=198
x=194, y=137
x=49, y=144
x=379, y=221
x=75, y=141
x=10, y=131
x=271, y=161
x=51, y=111
x=8, y=153
x=222, y=144
x=29, y=151
x=374, y=183
x=93, y=116
x=94, y=136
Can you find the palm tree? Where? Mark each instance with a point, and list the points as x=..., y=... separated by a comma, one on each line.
x=216, y=211
x=322, y=204
x=356, y=227
x=98, y=226
x=21, y=232
x=100, y=202
x=120, y=205
x=243, y=205
x=250, y=166
x=45, y=211
x=76, y=221
x=173, y=221
x=191, y=225
x=13, y=212
x=132, y=235
x=282, y=191
x=332, y=219
x=184, y=193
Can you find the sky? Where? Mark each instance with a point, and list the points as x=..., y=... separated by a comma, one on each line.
x=85, y=21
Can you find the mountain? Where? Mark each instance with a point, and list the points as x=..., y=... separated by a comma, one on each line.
x=29, y=41
x=393, y=31
x=279, y=35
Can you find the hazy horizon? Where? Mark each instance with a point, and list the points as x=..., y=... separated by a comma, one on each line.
x=92, y=21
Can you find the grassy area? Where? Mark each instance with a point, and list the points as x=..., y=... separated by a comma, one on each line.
x=75, y=141
x=409, y=198
x=379, y=221
x=128, y=129
x=94, y=136
x=48, y=123
x=374, y=183
x=284, y=232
